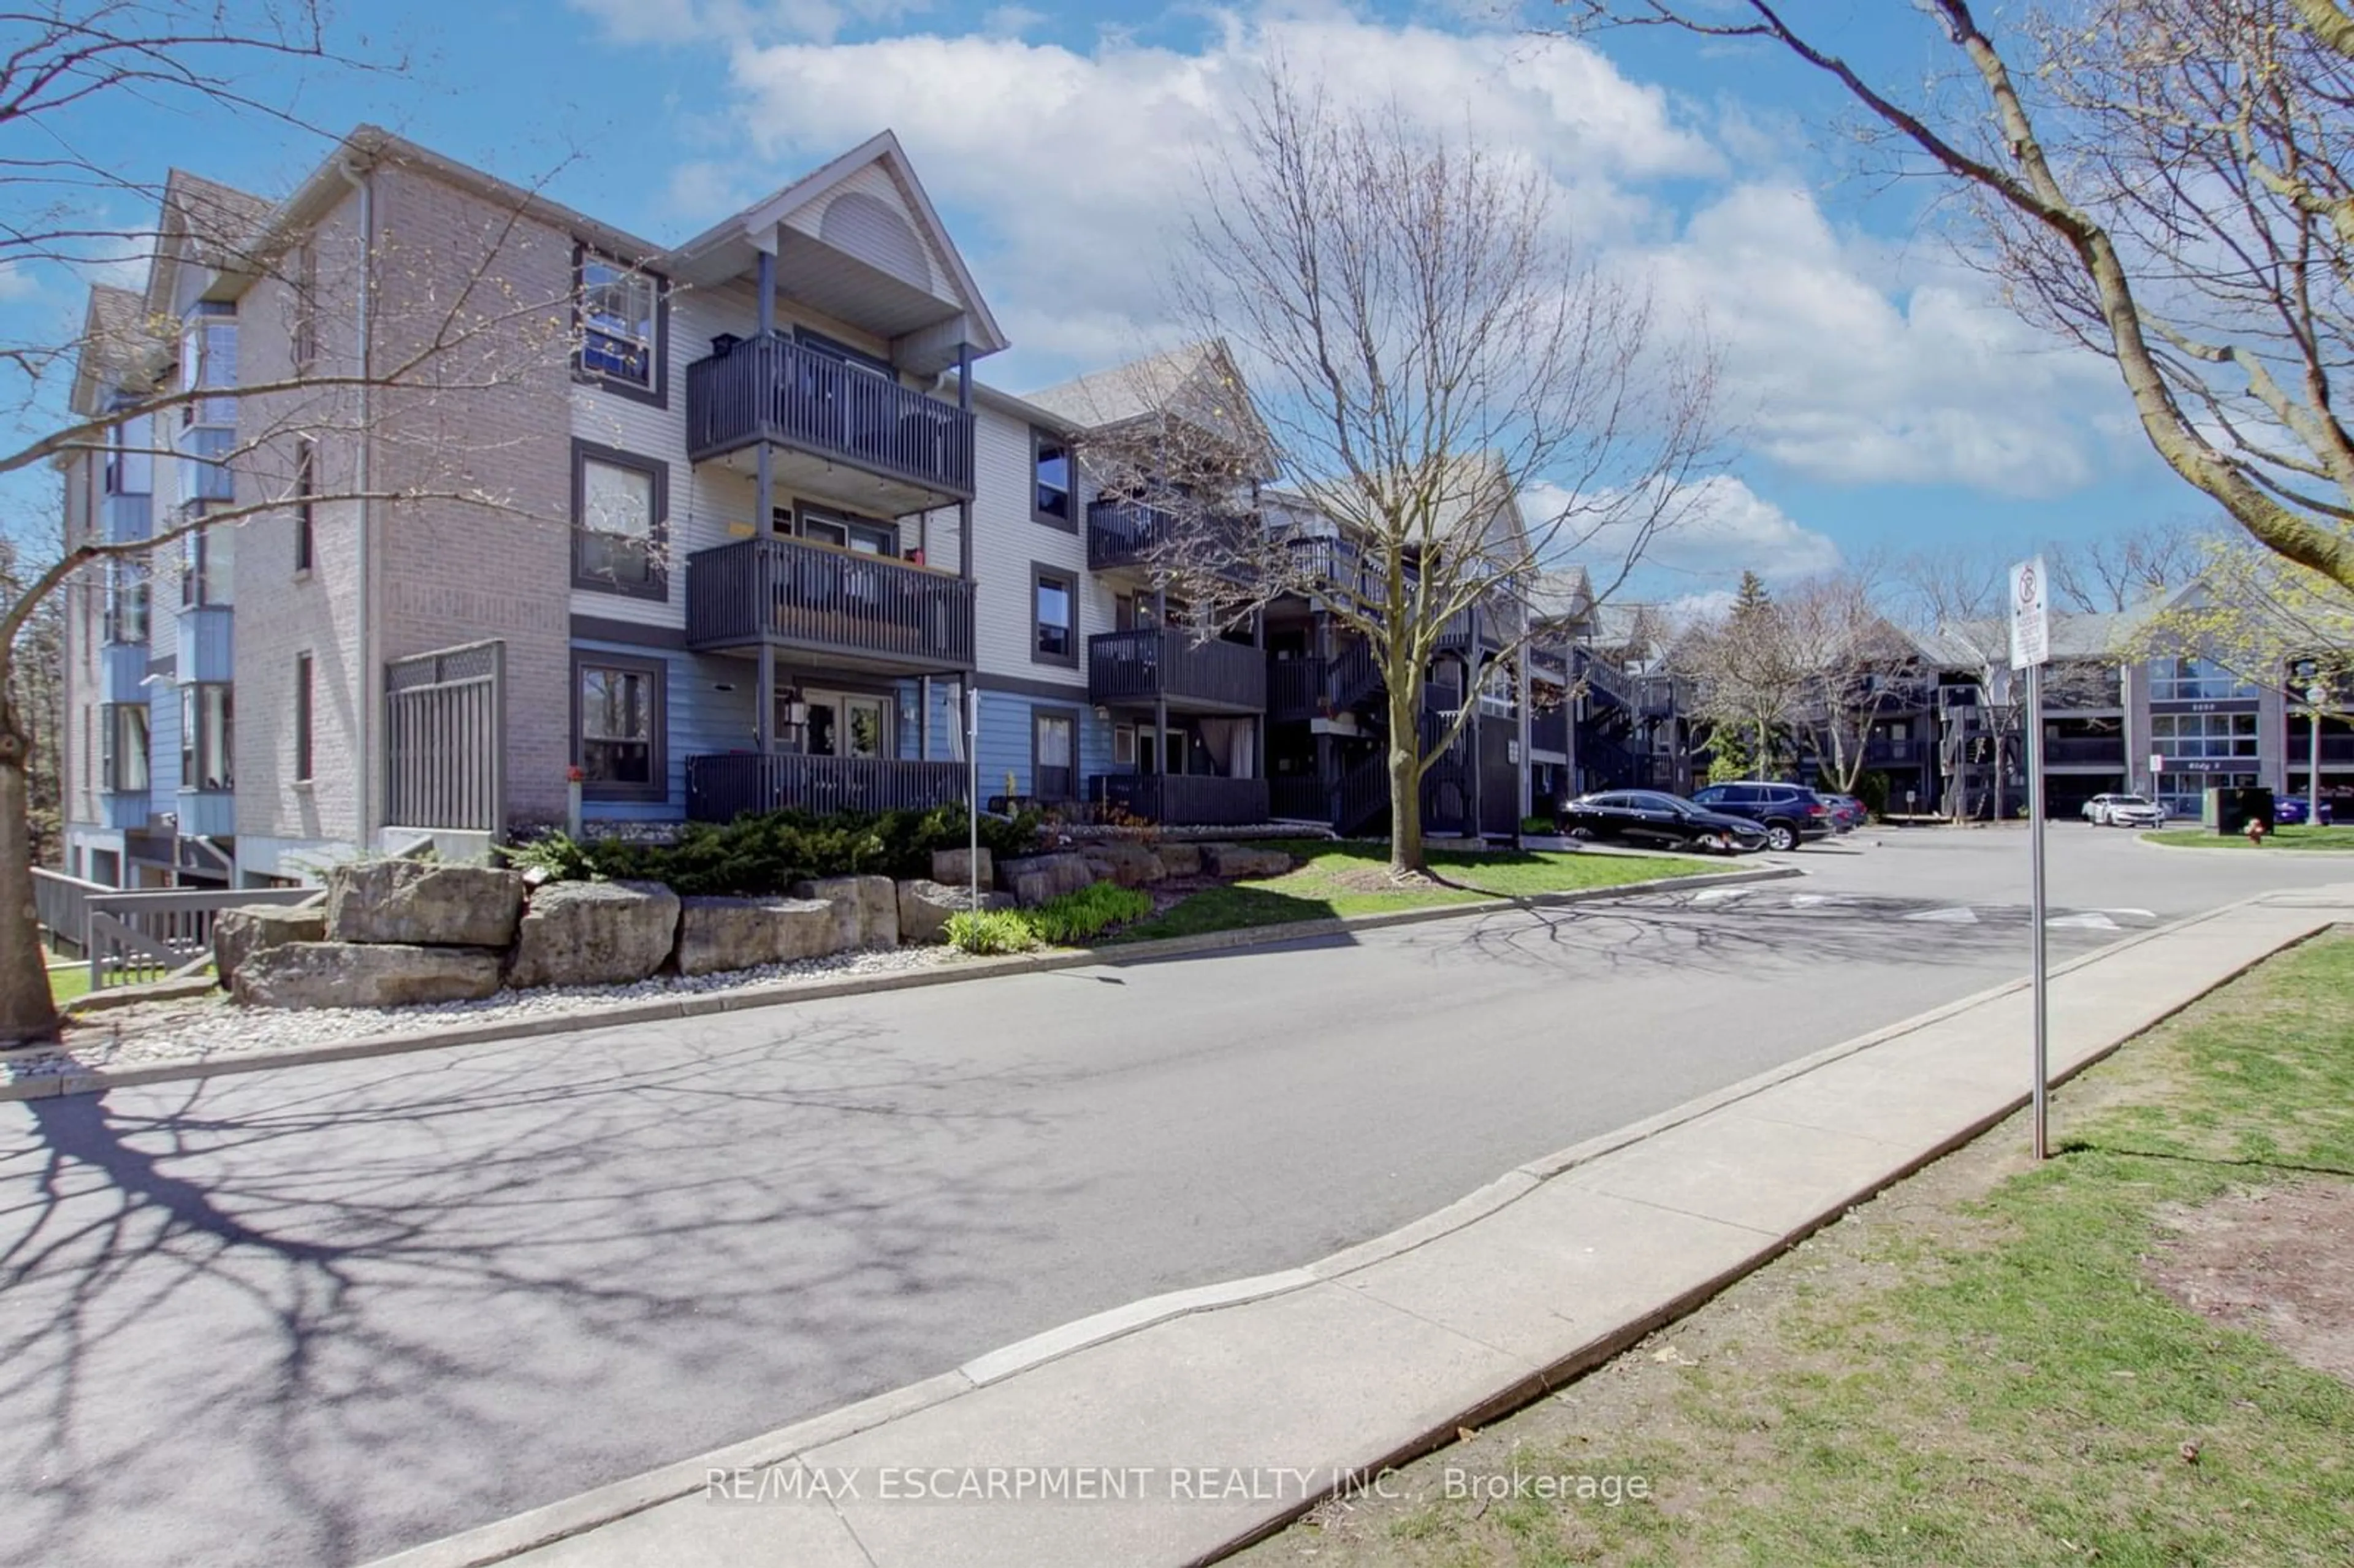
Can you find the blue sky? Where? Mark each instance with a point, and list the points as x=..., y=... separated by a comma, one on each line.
x=1887, y=402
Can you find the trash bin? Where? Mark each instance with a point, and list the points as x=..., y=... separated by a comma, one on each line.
x=2231, y=810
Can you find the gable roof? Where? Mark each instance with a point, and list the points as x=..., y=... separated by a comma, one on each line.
x=117, y=350
x=1560, y=597
x=1196, y=383
x=202, y=224
x=729, y=246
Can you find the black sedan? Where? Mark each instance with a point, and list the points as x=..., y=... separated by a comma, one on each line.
x=1656, y=820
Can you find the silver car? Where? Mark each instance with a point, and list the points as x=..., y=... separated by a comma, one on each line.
x=2124, y=812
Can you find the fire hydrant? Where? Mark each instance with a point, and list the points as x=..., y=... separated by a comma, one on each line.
x=2256, y=832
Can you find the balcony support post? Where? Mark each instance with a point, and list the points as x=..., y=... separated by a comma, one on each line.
x=1160, y=694
x=923, y=719
x=964, y=508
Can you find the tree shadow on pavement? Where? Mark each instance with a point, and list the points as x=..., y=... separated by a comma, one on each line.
x=316, y=1316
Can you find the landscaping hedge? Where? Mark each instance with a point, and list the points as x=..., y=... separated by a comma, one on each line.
x=767, y=854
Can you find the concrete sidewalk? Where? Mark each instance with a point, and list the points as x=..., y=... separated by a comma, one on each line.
x=1179, y=1428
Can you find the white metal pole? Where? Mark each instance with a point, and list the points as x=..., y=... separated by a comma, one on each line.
x=973, y=792
x=2035, y=898
x=2313, y=762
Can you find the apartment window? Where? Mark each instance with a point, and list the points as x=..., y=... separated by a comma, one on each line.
x=1050, y=462
x=1053, y=598
x=2203, y=737
x=2196, y=680
x=122, y=748
x=622, y=316
x=207, y=738
x=1123, y=745
x=863, y=534
x=302, y=325
x=303, y=719
x=306, y=485
x=618, y=501
x=128, y=602
x=1054, y=747
x=617, y=726
x=208, y=360
x=207, y=556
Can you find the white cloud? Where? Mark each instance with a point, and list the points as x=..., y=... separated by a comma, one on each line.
x=1849, y=364
x=1721, y=528
x=17, y=283
x=736, y=21
x=1066, y=170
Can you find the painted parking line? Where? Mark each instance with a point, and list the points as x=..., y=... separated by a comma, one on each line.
x=2089, y=920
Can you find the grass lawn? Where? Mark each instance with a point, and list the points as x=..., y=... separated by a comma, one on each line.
x=2333, y=837
x=1988, y=1367
x=65, y=984
x=1351, y=878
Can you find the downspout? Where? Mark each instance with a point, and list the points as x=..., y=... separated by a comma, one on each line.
x=371, y=777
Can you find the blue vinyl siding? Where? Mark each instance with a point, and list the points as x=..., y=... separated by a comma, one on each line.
x=207, y=635
x=1005, y=742
x=699, y=719
x=163, y=746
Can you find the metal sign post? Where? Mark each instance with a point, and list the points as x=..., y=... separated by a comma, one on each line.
x=2314, y=696
x=2031, y=647
x=973, y=793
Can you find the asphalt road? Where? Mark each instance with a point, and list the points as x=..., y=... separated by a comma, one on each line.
x=314, y=1316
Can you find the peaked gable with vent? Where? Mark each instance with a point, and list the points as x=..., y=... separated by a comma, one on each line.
x=860, y=238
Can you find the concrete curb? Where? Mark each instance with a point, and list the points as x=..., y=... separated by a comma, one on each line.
x=2268, y=852
x=506, y=1539
x=751, y=997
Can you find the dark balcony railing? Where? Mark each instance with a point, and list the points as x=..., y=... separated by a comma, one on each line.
x=1124, y=533
x=721, y=788
x=1296, y=689
x=1186, y=799
x=1549, y=728
x=1143, y=665
x=811, y=595
x=1605, y=680
x=1299, y=797
x=2108, y=749
x=1880, y=750
x=774, y=389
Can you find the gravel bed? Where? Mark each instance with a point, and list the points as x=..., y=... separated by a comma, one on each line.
x=206, y=1029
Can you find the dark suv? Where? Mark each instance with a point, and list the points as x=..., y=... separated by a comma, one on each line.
x=1789, y=813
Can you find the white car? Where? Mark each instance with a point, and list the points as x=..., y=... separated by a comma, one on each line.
x=2124, y=812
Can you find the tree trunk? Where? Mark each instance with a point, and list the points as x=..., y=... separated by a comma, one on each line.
x=1406, y=854
x=26, y=1013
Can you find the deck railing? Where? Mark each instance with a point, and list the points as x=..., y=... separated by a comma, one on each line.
x=130, y=934
x=1549, y=728
x=1158, y=663
x=774, y=389
x=1186, y=799
x=1296, y=689
x=811, y=595
x=727, y=785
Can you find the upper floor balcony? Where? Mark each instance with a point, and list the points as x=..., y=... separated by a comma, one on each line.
x=838, y=428
x=818, y=598
x=1155, y=665
x=1125, y=533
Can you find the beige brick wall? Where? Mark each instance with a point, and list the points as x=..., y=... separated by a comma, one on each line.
x=483, y=415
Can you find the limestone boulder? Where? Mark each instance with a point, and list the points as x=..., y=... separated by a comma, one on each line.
x=1244, y=860
x=866, y=909
x=719, y=934
x=1178, y=860
x=1129, y=863
x=1033, y=879
x=953, y=867
x=423, y=903
x=593, y=933
x=240, y=932
x=925, y=907
x=365, y=974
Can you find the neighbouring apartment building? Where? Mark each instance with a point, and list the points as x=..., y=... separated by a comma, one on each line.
x=516, y=501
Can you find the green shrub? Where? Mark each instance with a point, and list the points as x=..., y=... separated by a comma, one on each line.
x=768, y=852
x=1076, y=917
x=986, y=931
x=1064, y=922
x=1873, y=791
x=1540, y=826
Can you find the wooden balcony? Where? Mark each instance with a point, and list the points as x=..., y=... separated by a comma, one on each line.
x=1549, y=729
x=1151, y=664
x=721, y=788
x=1298, y=689
x=1124, y=533
x=814, y=598
x=1191, y=799
x=773, y=389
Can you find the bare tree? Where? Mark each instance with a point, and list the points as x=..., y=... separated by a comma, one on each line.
x=1853, y=665
x=1750, y=686
x=2257, y=615
x=410, y=391
x=2165, y=181
x=2116, y=571
x=1427, y=356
